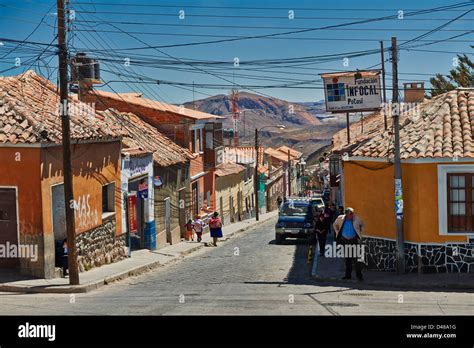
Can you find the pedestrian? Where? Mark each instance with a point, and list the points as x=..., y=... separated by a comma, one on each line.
x=215, y=225
x=332, y=217
x=348, y=229
x=198, y=226
x=340, y=210
x=279, y=201
x=64, y=260
x=322, y=228
x=189, y=230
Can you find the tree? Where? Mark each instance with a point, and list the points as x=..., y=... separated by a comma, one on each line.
x=461, y=76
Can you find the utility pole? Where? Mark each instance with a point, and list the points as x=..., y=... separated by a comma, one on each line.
x=256, y=178
x=397, y=162
x=383, y=81
x=66, y=135
x=348, y=128
x=289, y=174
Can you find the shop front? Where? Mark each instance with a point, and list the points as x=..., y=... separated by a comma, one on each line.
x=137, y=199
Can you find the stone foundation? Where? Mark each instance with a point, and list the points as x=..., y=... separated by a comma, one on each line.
x=100, y=246
x=435, y=258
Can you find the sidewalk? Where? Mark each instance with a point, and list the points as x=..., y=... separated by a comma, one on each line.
x=140, y=262
x=332, y=270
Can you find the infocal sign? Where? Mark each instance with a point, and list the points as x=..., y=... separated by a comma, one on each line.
x=352, y=91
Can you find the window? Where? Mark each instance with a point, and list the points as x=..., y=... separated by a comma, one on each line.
x=197, y=141
x=201, y=147
x=193, y=144
x=460, y=202
x=209, y=140
x=108, y=198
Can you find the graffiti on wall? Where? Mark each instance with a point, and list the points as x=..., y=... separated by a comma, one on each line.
x=85, y=217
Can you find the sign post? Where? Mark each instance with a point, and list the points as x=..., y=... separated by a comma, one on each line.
x=352, y=91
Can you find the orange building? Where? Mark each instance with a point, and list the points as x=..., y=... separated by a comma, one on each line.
x=32, y=207
x=437, y=151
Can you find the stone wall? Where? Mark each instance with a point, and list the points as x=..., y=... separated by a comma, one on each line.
x=100, y=246
x=435, y=258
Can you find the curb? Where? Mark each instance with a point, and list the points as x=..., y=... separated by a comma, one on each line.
x=84, y=288
x=377, y=283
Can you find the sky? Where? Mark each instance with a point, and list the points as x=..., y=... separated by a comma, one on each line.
x=138, y=25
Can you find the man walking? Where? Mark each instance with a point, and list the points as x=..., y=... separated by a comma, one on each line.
x=348, y=230
x=322, y=228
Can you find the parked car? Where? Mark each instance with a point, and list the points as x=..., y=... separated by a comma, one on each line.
x=318, y=202
x=295, y=219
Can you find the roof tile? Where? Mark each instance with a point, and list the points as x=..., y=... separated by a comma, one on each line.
x=440, y=127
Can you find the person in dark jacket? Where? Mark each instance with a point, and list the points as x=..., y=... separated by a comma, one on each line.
x=322, y=228
x=279, y=201
x=64, y=260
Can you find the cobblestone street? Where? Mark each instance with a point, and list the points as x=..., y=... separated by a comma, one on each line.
x=246, y=275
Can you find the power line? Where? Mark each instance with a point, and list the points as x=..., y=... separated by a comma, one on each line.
x=246, y=7
x=30, y=34
x=181, y=25
x=305, y=30
x=352, y=39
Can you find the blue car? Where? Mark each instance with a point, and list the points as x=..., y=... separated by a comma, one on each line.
x=295, y=220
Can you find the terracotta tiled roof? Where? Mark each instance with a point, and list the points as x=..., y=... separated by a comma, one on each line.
x=135, y=152
x=293, y=153
x=440, y=127
x=137, y=134
x=276, y=154
x=137, y=99
x=229, y=168
x=29, y=113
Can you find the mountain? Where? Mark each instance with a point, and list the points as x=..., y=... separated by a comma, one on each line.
x=256, y=111
x=307, y=129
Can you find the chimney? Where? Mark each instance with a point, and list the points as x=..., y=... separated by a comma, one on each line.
x=414, y=92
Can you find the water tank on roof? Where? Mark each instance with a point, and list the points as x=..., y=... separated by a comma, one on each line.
x=85, y=69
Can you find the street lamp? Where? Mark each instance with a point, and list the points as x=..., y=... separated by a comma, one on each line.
x=256, y=181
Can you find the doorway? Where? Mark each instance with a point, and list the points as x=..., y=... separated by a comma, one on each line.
x=8, y=224
x=137, y=239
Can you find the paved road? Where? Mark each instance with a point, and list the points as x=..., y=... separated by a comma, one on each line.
x=246, y=275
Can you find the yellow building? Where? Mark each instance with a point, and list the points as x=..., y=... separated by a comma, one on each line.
x=437, y=152
x=234, y=192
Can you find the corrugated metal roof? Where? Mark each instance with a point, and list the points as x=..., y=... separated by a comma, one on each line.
x=138, y=99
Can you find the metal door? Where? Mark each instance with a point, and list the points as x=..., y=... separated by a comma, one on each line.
x=8, y=224
x=182, y=211
x=59, y=212
x=168, y=219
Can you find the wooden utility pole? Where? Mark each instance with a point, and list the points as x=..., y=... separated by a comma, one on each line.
x=348, y=128
x=383, y=81
x=66, y=137
x=397, y=162
x=256, y=177
x=289, y=174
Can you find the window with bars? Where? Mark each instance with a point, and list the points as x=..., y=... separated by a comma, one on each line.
x=460, y=202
